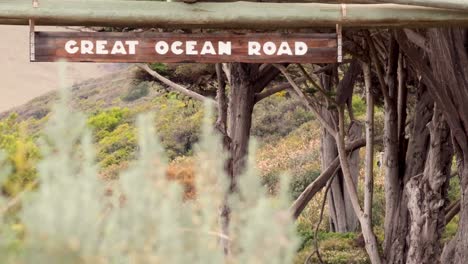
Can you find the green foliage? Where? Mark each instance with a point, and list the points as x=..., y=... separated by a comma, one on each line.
x=22, y=153
x=104, y=122
x=115, y=137
x=178, y=124
x=118, y=146
x=454, y=189
x=136, y=92
x=359, y=107
x=335, y=248
x=70, y=220
x=277, y=116
x=301, y=181
x=297, y=185
x=161, y=68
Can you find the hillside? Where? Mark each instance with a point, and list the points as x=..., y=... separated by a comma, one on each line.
x=17, y=71
x=287, y=133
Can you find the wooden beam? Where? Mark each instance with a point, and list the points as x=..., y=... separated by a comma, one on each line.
x=444, y=4
x=232, y=15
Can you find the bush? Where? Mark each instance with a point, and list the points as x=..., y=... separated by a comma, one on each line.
x=335, y=248
x=277, y=116
x=22, y=154
x=117, y=146
x=300, y=182
x=145, y=219
x=178, y=124
x=136, y=92
x=297, y=185
x=106, y=121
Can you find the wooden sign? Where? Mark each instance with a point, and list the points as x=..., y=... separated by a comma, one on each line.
x=171, y=47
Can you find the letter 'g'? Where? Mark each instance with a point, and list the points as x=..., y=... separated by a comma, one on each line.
x=70, y=47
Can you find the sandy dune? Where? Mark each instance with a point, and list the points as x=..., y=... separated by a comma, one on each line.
x=21, y=80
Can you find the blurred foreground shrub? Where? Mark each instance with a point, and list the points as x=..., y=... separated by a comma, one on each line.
x=71, y=218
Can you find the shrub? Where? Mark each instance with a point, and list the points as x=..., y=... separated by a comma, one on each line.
x=22, y=154
x=301, y=181
x=106, y=121
x=136, y=92
x=117, y=146
x=277, y=116
x=146, y=220
x=178, y=124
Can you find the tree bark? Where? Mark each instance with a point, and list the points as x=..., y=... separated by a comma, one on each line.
x=355, y=132
x=298, y=206
x=371, y=244
x=427, y=194
x=241, y=104
x=329, y=152
x=393, y=185
x=243, y=80
x=445, y=78
x=369, y=173
x=341, y=213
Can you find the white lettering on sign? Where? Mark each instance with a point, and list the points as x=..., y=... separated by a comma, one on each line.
x=192, y=47
x=224, y=48
x=300, y=48
x=254, y=48
x=161, y=47
x=176, y=48
x=70, y=47
x=188, y=47
x=208, y=49
x=101, y=47
x=132, y=46
x=270, y=48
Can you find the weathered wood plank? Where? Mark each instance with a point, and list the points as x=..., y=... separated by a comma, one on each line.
x=173, y=47
x=232, y=15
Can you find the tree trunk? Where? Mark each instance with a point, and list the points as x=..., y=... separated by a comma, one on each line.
x=414, y=165
x=369, y=165
x=426, y=194
x=446, y=81
x=355, y=132
x=393, y=186
x=336, y=204
x=241, y=104
x=341, y=213
x=371, y=244
x=449, y=60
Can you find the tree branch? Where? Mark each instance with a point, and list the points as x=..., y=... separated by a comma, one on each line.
x=221, y=98
x=280, y=87
x=452, y=211
x=305, y=100
x=309, y=192
x=174, y=86
x=417, y=39
x=375, y=60
x=369, y=176
x=366, y=225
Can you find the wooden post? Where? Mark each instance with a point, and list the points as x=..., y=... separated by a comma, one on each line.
x=32, y=38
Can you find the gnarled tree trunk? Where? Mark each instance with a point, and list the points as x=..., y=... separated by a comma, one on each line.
x=448, y=85
x=427, y=193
